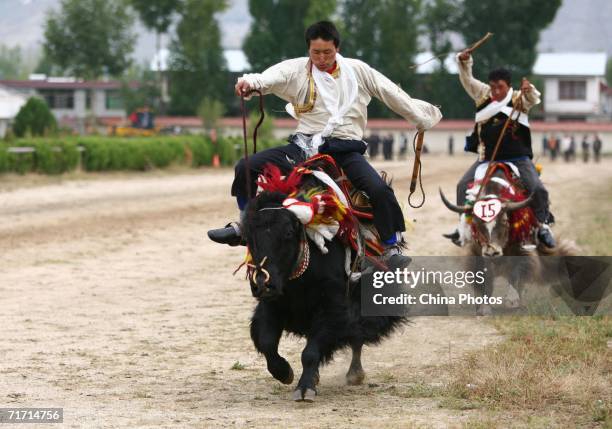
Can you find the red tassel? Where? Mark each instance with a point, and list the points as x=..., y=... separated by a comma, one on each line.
x=273, y=180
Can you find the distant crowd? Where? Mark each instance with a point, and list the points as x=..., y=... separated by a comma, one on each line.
x=384, y=143
x=566, y=146
x=554, y=146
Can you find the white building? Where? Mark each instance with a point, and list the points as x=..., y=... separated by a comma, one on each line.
x=573, y=85
x=10, y=103
x=72, y=100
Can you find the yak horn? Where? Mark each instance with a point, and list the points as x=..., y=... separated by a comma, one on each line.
x=453, y=207
x=511, y=205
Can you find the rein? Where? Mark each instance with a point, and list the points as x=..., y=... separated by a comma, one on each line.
x=417, y=145
x=244, y=135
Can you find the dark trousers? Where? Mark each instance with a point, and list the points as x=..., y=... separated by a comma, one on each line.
x=529, y=177
x=388, y=216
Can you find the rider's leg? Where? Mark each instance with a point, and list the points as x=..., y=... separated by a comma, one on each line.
x=285, y=157
x=462, y=187
x=388, y=216
x=533, y=184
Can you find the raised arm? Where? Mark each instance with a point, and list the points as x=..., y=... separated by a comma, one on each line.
x=530, y=95
x=476, y=89
x=420, y=113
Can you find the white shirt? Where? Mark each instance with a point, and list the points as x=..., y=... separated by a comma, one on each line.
x=292, y=81
x=480, y=91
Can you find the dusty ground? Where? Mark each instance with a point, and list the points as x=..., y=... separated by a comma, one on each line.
x=116, y=307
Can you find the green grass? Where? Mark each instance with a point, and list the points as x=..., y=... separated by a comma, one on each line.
x=237, y=366
x=563, y=366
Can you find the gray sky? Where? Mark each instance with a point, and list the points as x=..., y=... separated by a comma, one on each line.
x=580, y=25
x=21, y=23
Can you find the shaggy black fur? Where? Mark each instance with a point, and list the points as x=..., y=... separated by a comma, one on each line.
x=316, y=305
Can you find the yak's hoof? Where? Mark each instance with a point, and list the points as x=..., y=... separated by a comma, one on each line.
x=281, y=371
x=355, y=378
x=306, y=395
x=289, y=378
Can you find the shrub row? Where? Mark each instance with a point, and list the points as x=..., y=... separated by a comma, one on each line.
x=59, y=155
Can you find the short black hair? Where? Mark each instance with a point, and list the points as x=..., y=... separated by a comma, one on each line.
x=322, y=30
x=501, y=74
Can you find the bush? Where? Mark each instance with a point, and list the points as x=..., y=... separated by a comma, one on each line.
x=56, y=156
x=3, y=158
x=199, y=151
x=34, y=119
x=106, y=154
x=59, y=155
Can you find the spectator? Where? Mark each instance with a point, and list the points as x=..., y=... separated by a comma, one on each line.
x=404, y=146
x=566, y=144
x=373, y=143
x=553, y=146
x=451, y=144
x=597, y=147
x=388, y=147
x=572, y=149
x=585, y=149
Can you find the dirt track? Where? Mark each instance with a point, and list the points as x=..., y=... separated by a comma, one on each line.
x=117, y=308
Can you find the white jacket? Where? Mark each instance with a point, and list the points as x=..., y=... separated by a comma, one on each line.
x=292, y=81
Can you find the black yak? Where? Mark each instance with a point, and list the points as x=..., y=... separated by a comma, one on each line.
x=303, y=291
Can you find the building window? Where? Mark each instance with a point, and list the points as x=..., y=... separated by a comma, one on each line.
x=59, y=99
x=114, y=100
x=572, y=90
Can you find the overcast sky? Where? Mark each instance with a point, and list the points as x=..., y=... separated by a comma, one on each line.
x=580, y=25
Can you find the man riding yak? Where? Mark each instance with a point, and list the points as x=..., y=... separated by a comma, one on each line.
x=495, y=103
x=328, y=95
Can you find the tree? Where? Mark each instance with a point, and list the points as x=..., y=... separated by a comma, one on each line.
x=34, y=118
x=197, y=65
x=439, y=18
x=516, y=25
x=90, y=38
x=139, y=88
x=384, y=35
x=11, y=63
x=440, y=87
x=210, y=112
x=277, y=31
x=157, y=15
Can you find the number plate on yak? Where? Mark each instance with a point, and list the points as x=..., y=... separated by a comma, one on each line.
x=487, y=210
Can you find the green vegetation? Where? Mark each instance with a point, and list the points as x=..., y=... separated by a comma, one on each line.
x=90, y=38
x=34, y=119
x=60, y=155
x=560, y=366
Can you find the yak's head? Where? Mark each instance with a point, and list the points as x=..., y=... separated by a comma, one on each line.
x=489, y=217
x=273, y=235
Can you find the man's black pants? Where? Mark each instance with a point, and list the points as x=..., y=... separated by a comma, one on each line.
x=348, y=154
x=529, y=177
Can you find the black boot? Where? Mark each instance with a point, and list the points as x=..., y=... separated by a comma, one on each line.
x=393, y=258
x=545, y=236
x=454, y=237
x=228, y=235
